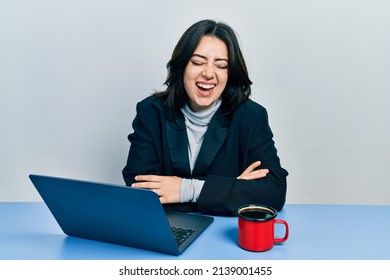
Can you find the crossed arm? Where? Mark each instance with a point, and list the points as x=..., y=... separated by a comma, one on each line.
x=168, y=187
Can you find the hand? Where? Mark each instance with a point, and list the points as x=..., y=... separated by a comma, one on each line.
x=166, y=187
x=251, y=174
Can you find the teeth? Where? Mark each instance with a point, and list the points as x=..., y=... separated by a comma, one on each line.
x=205, y=86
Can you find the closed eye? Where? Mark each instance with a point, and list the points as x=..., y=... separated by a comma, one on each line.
x=222, y=66
x=197, y=63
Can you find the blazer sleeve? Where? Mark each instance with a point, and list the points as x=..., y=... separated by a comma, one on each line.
x=222, y=195
x=142, y=158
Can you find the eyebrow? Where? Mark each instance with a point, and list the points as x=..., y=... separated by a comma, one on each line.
x=205, y=58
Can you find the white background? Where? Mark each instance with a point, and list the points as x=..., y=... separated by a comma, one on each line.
x=72, y=71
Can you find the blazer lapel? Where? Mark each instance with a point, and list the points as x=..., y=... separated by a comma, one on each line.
x=213, y=140
x=178, y=145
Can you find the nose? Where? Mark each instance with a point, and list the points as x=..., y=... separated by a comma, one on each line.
x=208, y=72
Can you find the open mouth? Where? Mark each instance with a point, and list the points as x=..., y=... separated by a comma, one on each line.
x=205, y=87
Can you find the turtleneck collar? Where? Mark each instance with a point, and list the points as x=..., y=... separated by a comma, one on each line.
x=201, y=118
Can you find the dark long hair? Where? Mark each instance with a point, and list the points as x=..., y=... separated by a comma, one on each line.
x=238, y=87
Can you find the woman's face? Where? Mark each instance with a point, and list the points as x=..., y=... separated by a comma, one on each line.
x=206, y=74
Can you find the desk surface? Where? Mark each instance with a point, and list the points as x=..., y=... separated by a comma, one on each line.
x=319, y=232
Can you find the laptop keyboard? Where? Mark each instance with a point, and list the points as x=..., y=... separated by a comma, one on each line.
x=181, y=234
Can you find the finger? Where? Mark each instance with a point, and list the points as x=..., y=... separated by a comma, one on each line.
x=148, y=178
x=251, y=167
x=145, y=185
x=257, y=174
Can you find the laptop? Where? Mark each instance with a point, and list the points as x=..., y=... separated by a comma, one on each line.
x=118, y=214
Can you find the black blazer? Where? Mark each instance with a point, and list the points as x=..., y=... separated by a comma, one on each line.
x=232, y=142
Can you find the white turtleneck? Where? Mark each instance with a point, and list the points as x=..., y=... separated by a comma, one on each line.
x=196, y=124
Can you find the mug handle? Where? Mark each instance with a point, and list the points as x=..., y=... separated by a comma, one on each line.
x=278, y=240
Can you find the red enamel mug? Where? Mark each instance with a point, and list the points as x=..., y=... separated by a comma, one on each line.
x=256, y=227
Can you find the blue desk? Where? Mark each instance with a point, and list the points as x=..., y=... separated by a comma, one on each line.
x=320, y=232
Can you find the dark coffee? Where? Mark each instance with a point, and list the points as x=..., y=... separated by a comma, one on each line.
x=256, y=214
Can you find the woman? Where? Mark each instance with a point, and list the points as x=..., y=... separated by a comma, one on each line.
x=202, y=145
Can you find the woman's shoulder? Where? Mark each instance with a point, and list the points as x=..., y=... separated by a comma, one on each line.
x=151, y=100
x=151, y=103
x=250, y=115
x=250, y=108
